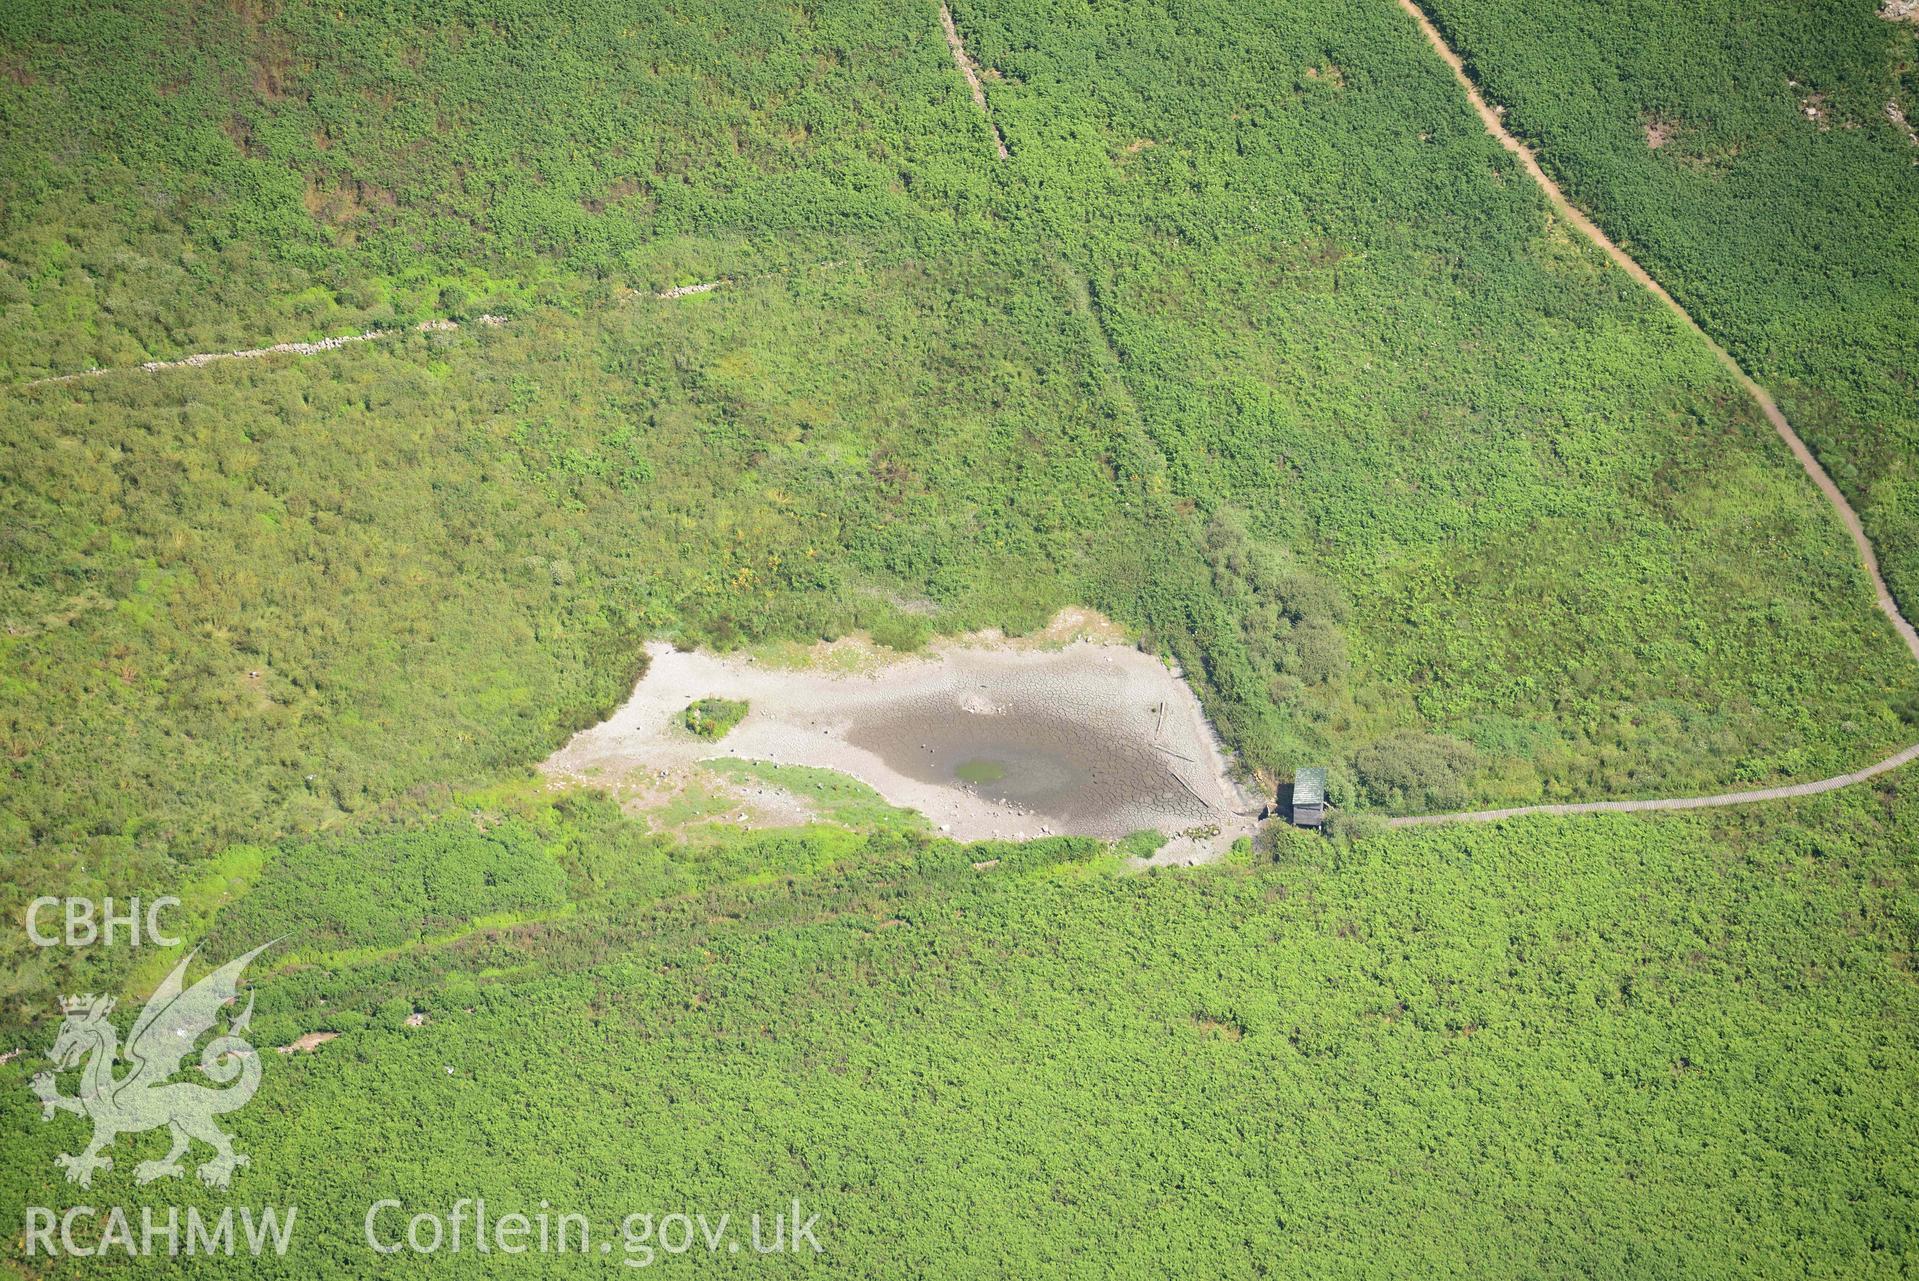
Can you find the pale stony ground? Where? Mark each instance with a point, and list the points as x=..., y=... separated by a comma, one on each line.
x=808, y=705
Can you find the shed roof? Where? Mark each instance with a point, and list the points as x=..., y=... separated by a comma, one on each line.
x=1309, y=785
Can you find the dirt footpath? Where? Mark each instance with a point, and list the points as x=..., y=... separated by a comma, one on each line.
x=1496, y=126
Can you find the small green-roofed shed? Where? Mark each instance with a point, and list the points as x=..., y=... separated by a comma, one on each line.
x=1309, y=796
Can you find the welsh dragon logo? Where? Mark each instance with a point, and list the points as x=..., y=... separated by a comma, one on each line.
x=145, y=1097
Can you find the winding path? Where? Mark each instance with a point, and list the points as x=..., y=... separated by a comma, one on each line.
x=1566, y=210
x=964, y=61
x=1670, y=803
x=315, y=348
x=1887, y=606
x=199, y=359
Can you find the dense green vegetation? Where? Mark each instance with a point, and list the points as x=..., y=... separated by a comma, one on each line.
x=436, y=557
x=1780, y=206
x=1666, y=1046
x=1303, y=338
x=182, y=177
x=1255, y=343
x=1273, y=357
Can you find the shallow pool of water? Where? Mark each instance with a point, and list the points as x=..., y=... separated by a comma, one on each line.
x=989, y=742
x=980, y=771
x=1058, y=767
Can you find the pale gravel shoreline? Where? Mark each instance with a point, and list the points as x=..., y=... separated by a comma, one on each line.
x=804, y=716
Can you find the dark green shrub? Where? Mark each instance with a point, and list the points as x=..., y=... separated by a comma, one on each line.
x=1413, y=772
x=712, y=718
x=903, y=632
x=1344, y=825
